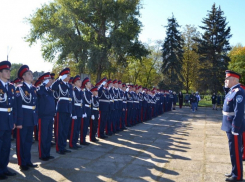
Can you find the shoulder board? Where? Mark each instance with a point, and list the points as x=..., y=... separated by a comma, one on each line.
x=235, y=90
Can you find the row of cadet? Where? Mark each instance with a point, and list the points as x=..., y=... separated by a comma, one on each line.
x=68, y=108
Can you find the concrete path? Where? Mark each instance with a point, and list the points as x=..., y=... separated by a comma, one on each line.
x=177, y=146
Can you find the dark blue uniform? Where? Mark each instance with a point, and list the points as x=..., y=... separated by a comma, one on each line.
x=233, y=121
x=124, y=109
x=94, y=122
x=130, y=102
x=109, y=124
x=46, y=112
x=140, y=113
x=7, y=109
x=64, y=112
x=104, y=105
x=145, y=105
x=26, y=102
x=87, y=110
x=78, y=111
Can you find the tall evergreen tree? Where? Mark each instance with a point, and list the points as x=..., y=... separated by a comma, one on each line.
x=213, y=49
x=172, y=53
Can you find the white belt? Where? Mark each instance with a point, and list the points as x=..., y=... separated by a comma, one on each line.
x=115, y=99
x=130, y=101
x=119, y=99
x=136, y=101
x=6, y=109
x=96, y=109
x=111, y=100
x=228, y=113
x=87, y=105
x=103, y=100
x=78, y=104
x=125, y=102
x=29, y=107
x=65, y=98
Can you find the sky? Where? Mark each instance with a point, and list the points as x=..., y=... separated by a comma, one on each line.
x=154, y=15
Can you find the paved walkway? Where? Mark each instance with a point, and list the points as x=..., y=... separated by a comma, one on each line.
x=177, y=146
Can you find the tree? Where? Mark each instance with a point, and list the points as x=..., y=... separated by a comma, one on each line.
x=237, y=63
x=172, y=53
x=89, y=32
x=190, y=67
x=14, y=70
x=213, y=49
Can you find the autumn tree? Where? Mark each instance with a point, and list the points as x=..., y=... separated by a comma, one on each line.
x=89, y=32
x=190, y=67
x=237, y=63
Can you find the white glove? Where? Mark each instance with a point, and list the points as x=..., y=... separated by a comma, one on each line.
x=92, y=117
x=46, y=81
x=233, y=133
x=103, y=83
x=74, y=117
x=83, y=116
x=127, y=89
x=99, y=116
x=62, y=77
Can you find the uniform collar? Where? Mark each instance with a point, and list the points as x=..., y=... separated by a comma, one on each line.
x=4, y=83
x=28, y=85
x=78, y=88
x=234, y=86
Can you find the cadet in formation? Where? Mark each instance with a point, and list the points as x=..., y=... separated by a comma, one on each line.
x=71, y=107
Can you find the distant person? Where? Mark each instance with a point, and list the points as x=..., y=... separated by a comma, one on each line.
x=219, y=101
x=191, y=98
x=198, y=99
x=214, y=101
x=180, y=99
x=194, y=102
x=174, y=100
x=187, y=98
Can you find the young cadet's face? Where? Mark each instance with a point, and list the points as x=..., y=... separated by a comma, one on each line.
x=95, y=93
x=78, y=83
x=5, y=74
x=28, y=76
x=88, y=85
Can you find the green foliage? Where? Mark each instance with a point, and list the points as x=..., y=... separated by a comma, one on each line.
x=14, y=70
x=190, y=67
x=213, y=49
x=237, y=63
x=172, y=53
x=88, y=32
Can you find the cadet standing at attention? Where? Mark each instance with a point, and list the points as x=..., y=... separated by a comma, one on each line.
x=233, y=123
x=26, y=100
x=7, y=122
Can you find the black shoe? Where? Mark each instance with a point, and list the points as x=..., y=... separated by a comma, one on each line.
x=232, y=179
x=24, y=168
x=2, y=177
x=44, y=159
x=95, y=140
x=51, y=157
x=9, y=173
x=85, y=143
x=103, y=137
x=61, y=152
x=228, y=175
x=67, y=151
x=73, y=148
x=32, y=165
x=77, y=146
x=109, y=134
